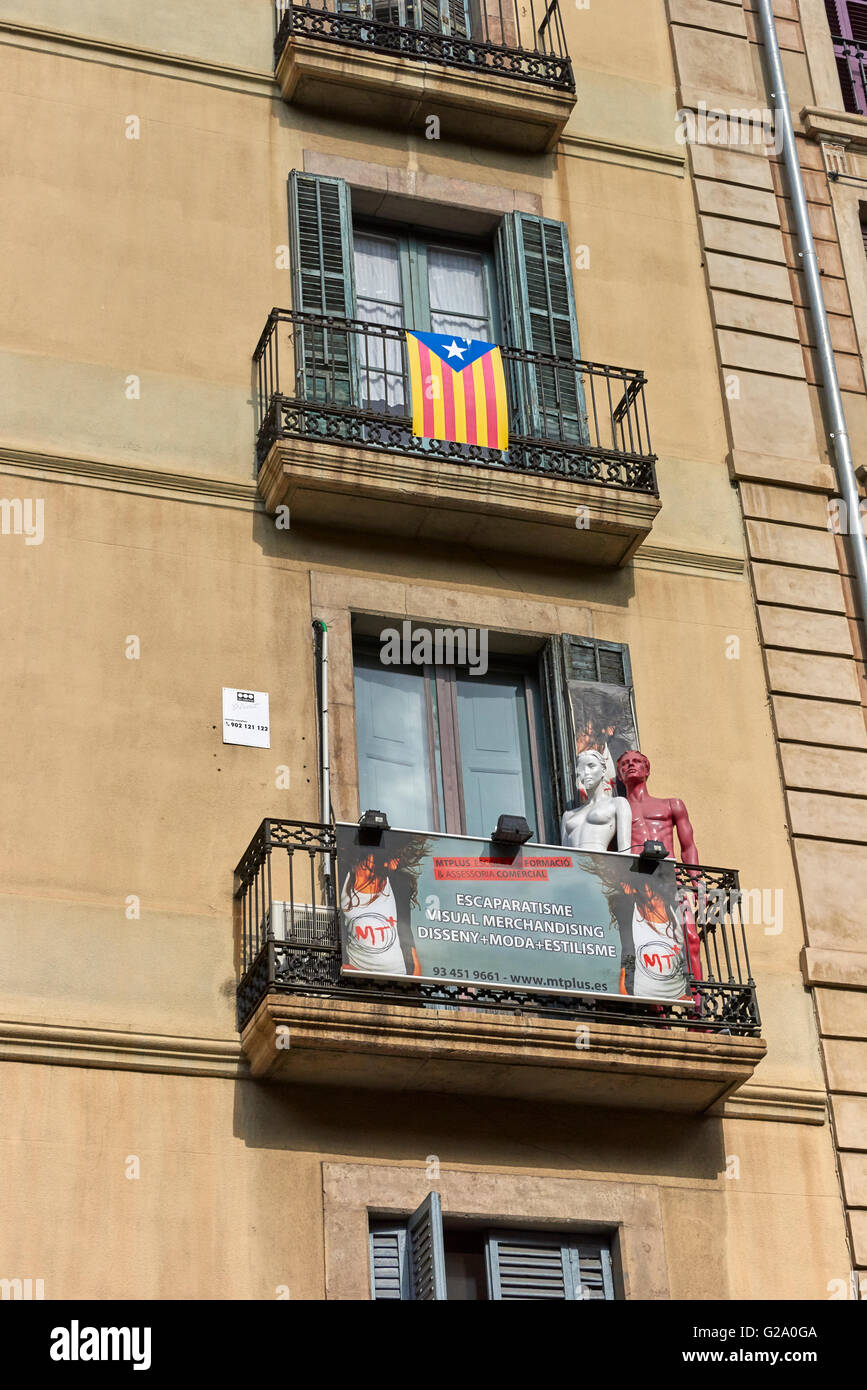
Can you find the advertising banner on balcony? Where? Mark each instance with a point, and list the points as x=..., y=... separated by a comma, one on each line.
x=446, y=908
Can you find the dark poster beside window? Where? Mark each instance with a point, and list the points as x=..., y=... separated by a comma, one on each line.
x=602, y=718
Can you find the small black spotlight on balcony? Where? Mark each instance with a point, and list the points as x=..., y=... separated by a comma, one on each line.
x=371, y=825
x=654, y=851
x=511, y=830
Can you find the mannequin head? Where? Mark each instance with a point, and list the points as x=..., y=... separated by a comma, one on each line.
x=633, y=767
x=591, y=770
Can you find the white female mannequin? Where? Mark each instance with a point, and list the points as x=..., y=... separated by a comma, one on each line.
x=602, y=817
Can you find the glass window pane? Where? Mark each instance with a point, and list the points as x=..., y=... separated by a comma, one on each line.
x=394, y=773
x=458, y=296
x=496, y=769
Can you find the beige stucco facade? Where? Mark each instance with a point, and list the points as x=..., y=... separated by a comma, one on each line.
x=146, y=155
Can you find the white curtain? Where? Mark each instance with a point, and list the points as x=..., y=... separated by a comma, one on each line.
x=456, y=285
x=379, y=300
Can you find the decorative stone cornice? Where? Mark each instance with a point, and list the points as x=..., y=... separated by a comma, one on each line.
x=113, y=1049
x=125, y=477
x=785, y=1104
x=80, y=1046
x=664, y=557
x=581, y=146
x=178, y=65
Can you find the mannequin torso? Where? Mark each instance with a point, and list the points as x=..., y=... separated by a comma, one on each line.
x=602, y=819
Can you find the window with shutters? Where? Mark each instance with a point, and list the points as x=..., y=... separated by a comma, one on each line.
x=445, y=750
x=514, y=289
x=847, y=20
x=338, y=367
x=427, y=1258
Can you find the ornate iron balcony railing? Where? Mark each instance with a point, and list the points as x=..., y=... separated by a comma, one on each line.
x=289, y=937
x=851, y=58
x=347, y=381
x=488, y=37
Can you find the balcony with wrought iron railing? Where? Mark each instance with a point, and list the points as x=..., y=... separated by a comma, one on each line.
x=334, y=443
x=402, y=61
x=302, y=1020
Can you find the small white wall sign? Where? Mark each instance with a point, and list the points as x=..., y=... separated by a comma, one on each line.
x=246, y=718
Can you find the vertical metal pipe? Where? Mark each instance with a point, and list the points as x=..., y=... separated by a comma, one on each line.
x=245, y=948
x=270, y=891
x=291, y=857
x=275, y=335
x=644, y=414
x=596, y=436
x=324, y=754
x=835, y=417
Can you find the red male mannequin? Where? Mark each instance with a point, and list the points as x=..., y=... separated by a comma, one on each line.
x=656, y=819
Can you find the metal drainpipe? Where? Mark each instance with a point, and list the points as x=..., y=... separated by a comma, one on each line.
x=835, y=417
x=324, y=758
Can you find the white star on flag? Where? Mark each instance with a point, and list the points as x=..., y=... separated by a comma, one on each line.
x=454, y=351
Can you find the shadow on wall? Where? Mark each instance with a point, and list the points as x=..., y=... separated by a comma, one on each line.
x=472, y=1130
x=448, y=563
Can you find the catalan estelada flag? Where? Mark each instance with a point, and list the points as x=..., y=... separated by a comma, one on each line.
x=458, y=390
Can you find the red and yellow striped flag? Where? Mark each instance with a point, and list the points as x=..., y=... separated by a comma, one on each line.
x=458, y=390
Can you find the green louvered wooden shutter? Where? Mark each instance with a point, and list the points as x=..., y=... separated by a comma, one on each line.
x=323, y=283
x=594, y=1271
x=589, y=659
x=549, y=305
x=321, y=224
x=586, y=680
x=559, y=722
x=427, y=1261
x=389, y=1268
x=538, y=307
x=440, y=16
x=428, y=16
x=525, y=1265
x=455, y=13
x=520, y=383
x=511, y=312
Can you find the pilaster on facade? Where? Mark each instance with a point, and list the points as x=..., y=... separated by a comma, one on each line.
x=812, y=636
